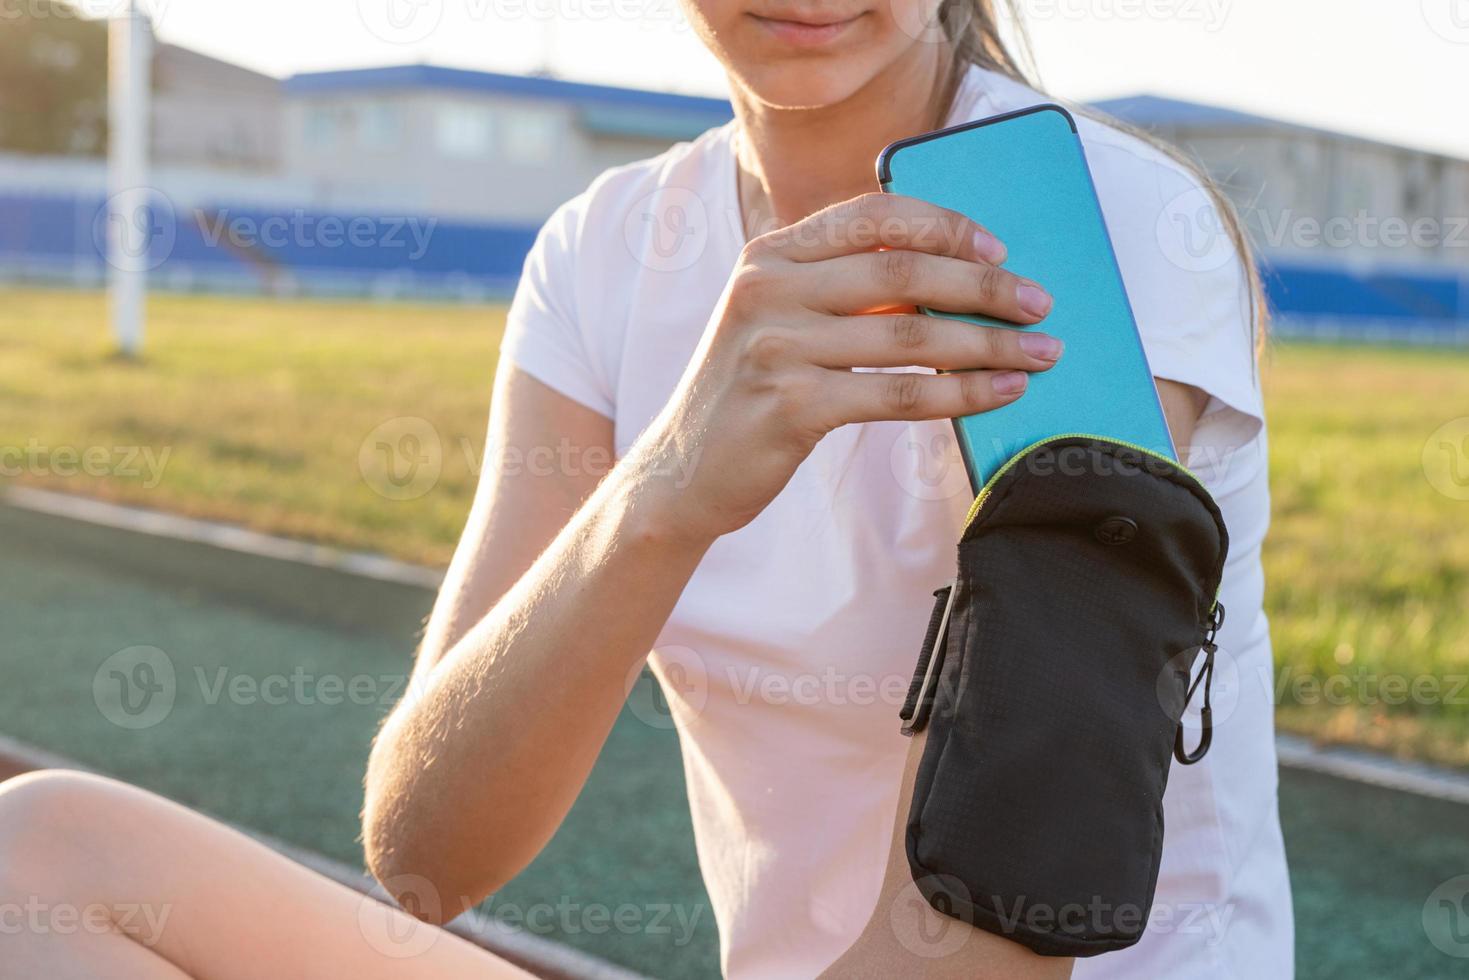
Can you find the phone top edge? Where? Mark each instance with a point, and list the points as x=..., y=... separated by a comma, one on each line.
x=884, y=158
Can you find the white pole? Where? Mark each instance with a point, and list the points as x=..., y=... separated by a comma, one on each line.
x=129, y=224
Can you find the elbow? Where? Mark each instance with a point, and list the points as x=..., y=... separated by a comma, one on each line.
x=424, y=873
x=420, y=848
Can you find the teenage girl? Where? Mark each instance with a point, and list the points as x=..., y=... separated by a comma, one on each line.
x=771, y=532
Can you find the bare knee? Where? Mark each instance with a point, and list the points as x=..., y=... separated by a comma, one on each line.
x=44, y=816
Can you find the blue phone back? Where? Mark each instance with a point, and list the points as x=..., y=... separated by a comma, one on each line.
x=1023, y=176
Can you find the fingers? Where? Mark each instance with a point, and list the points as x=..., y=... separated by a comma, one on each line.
x=883, y=221
x=902, y=339
x=873, y=280
x=868, y=397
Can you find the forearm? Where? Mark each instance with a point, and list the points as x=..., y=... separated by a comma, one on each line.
x=905, y=937
x=475, y=770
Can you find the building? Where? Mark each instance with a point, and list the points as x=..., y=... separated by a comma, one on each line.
x=258, y=181
x=1356, y=236
x=212, y=114
x=499, y=148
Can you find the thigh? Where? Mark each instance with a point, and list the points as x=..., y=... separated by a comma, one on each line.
x=206, y=899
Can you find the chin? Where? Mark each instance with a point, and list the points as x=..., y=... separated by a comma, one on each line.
x=806, y=86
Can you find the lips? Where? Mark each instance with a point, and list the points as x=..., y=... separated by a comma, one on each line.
x=807, y=30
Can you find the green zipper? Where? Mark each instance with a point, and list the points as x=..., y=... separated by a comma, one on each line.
x=984, y=491
x=989, y=484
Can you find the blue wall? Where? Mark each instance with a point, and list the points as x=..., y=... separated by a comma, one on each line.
x=59, y=238
x=252, y=249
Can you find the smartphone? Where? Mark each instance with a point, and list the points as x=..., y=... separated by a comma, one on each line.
x=1023, y=175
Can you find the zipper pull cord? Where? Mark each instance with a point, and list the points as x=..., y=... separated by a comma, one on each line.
x=1206, y=678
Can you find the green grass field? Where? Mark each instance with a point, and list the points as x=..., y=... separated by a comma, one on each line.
x=257, y=412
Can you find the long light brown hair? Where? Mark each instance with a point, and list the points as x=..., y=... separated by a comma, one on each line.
x=973, y=28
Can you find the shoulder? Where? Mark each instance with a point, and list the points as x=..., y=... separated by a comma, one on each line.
x=1185, y=271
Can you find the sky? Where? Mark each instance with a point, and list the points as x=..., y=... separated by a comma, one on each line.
x=1386, y=69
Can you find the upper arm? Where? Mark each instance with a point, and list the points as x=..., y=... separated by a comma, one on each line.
x=550, y=436
x=1189, y=288
x=1182, y=406
x=544, y=455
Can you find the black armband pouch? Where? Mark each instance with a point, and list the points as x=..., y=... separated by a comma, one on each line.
x=1052, y=681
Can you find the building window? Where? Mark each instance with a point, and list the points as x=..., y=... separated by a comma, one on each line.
x=528, y=136
x=327, y=125
x=464, y=130
x=382, y=126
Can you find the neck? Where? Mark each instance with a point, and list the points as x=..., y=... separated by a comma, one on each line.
x=794, y=162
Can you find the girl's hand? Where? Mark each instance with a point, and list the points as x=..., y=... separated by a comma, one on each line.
x=772, y=374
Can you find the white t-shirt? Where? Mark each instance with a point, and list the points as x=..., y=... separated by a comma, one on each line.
x=788, y=654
